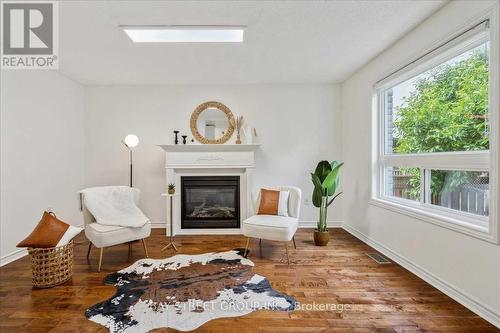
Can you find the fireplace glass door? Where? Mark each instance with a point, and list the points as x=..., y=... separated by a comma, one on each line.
x=210, y=202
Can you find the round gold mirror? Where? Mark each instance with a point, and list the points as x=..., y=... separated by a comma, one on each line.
x=212, y=122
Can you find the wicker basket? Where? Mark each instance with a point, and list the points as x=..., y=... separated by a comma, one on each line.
x=51, y=266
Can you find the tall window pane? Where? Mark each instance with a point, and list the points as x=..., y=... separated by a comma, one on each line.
x=444, y=109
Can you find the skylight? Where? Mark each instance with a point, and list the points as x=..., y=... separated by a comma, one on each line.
x=185, y=34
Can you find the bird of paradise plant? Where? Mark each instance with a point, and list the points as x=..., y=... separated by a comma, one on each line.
x=326, y=181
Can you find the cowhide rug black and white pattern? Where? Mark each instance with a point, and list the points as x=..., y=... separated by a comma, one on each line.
x=184, y=292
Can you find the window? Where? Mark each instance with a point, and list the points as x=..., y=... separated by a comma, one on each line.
x=443, y=109
x=465, y=191
x=435, y=135
x=402, y=183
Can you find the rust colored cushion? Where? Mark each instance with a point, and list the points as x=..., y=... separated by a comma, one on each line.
x=47, y=233
x=269, y=202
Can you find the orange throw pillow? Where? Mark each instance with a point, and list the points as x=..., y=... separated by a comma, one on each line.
x=269, y=202
x=47, y=233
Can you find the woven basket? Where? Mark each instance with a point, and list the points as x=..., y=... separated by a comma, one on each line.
x=51, y=266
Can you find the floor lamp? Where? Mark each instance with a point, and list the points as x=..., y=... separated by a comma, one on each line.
x=130, y=141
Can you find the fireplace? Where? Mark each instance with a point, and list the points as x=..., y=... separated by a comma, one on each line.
x=210, y=202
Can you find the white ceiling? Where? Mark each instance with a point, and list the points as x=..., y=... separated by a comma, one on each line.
x=285, y=41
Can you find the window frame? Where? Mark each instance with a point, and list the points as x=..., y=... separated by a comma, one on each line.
x=483, y=227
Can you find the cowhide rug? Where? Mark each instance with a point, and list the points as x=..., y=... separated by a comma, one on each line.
x=184, y=292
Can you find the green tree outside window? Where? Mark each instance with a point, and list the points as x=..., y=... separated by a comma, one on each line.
x=446, y=111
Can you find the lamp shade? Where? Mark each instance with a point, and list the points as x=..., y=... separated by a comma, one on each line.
x=131, y=140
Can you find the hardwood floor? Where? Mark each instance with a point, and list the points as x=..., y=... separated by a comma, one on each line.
x=382, y=298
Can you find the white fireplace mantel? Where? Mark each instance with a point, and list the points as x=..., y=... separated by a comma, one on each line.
x=209, y=148
x=209, y=160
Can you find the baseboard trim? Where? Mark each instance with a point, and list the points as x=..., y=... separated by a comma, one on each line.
x=302, y=224
x=312, y=224
x=13, y=256
x=466, y=300
x=158, y=225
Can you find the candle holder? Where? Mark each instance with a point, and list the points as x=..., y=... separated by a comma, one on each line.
x=176, y=141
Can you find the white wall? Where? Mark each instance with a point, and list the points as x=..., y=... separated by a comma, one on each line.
x=298, y=125
x=469, y=266
x=42, y=116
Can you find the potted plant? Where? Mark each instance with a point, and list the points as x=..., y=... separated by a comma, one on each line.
x=326, y=180
x=171, y=188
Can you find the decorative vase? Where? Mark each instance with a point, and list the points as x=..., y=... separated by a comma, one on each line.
x=247, y=132
x=321, y=238
x=184, y=137
x=171, y=191
x=238, y=139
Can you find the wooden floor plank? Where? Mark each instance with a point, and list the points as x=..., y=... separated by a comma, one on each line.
x=375, y=298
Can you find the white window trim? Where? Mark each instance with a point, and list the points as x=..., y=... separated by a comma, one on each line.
x=485, y=228
x=471, y=160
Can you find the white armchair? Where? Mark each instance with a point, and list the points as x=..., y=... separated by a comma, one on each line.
x=107, y=235
x=274, y=227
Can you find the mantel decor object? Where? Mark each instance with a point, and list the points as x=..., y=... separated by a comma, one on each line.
x=248, y=133
x=238, y=124
x=176, y=140
x=212, y=123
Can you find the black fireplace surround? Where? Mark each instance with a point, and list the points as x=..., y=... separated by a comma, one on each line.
x=210, y=202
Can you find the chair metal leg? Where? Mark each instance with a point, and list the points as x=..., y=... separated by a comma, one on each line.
x=294, y=245
x=246, y=247
x=287, y=256
x=88, y=251
x=100, y=259
x=171, y=244
x=145, y=248
x=260, y=242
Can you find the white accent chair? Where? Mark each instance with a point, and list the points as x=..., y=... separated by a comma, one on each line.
x=273, y=227
x=106, y=235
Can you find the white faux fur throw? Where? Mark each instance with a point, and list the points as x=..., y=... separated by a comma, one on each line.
x=114, y=205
